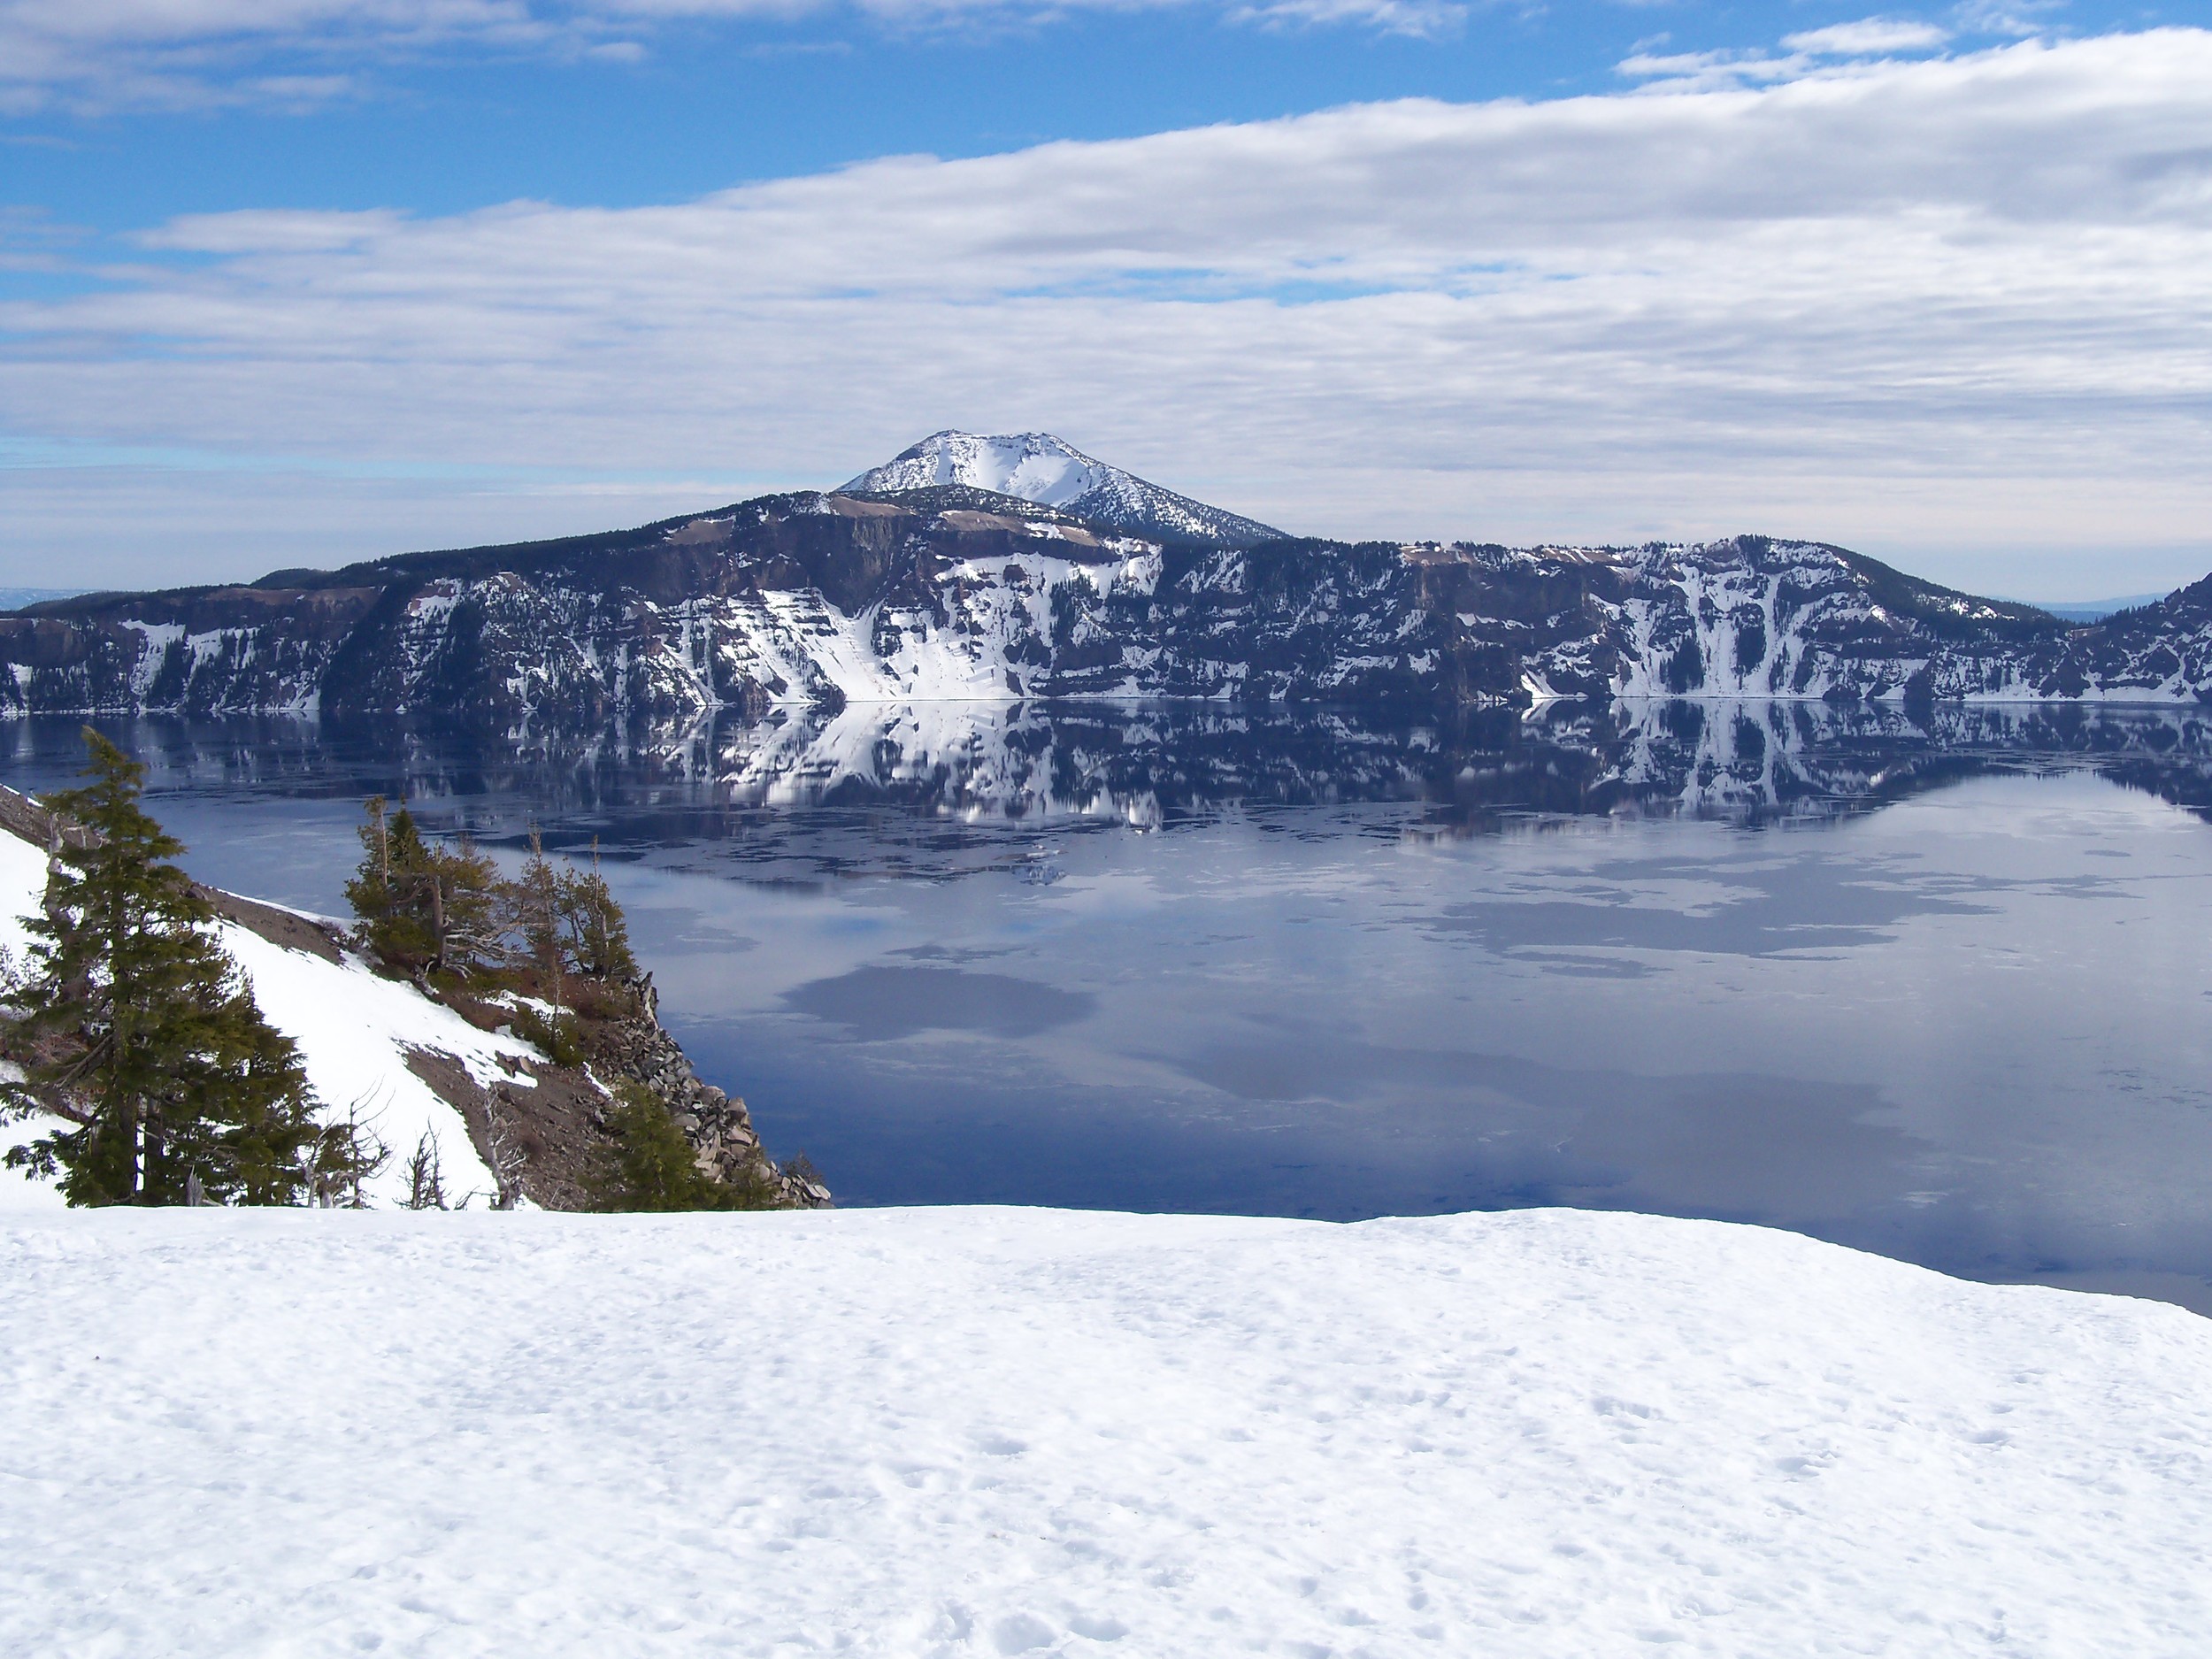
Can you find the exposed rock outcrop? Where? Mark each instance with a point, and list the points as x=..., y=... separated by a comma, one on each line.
x=719, y=1127
x=545, y=1134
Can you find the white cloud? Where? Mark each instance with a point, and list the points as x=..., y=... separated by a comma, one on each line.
x=2017, y=19
x=1953, y=304
x=1703, y=72
x=1841, y=48
x=186, y=53
x=1868, y=37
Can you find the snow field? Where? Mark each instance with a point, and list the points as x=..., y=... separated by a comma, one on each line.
x=989, y=1431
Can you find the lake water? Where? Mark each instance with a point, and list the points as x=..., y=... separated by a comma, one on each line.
x=1939, y=988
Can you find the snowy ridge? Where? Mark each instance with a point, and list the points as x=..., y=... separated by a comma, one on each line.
x=1540, y=1433
x=1033, y=465
x=1038, y=467
x=833, y=599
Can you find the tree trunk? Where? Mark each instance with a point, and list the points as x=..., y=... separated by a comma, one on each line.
x=156, y=1157
x=130, y=1129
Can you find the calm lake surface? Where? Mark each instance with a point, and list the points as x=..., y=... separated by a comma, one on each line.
x=1939, y=987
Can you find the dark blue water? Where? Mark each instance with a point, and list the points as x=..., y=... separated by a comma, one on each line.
x=1939, y=987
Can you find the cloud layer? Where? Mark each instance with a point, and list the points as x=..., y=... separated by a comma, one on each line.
x=1952, y=304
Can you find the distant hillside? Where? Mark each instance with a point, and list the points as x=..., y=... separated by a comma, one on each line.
x=955, y=592
x=2098, y=609
x=16, y=598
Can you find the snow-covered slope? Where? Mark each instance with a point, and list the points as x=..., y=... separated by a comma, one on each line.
x=1034, y=466
x=964, y=1434
x=413, y=1073
x=1039, y=467
x=355, y=1032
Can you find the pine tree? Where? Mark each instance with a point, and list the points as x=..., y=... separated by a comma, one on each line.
x=536, y=904
x=598, y=934
x=370, y=892
x=465, y=902
x=140, y=1033
x=384, y=891
x=567, y=922
x=424, y=909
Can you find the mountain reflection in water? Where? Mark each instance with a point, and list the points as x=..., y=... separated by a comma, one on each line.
x=1929, y=982
x=1154, y=765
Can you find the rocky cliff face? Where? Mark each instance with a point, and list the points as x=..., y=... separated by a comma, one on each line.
x=950, y=594
x=719, y=1127
x=1763, y=618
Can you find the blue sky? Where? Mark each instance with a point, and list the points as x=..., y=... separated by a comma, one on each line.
x=290, y=282
x=468, y=119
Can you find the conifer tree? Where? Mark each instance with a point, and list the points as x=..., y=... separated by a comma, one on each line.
x=465, y=922
x=140, y=1034
x=598, y=934
x=391, y=852
x=535, y=902
x=424, y=909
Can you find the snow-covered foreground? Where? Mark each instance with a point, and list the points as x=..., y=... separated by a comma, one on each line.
x=986, y=1431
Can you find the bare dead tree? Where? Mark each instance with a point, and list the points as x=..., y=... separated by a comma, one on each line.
x=425, y=1175
x=504, y=1155
x=345, y=1155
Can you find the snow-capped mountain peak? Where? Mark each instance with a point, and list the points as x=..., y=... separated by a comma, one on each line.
x=1034, y=466
x=1049, y=471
